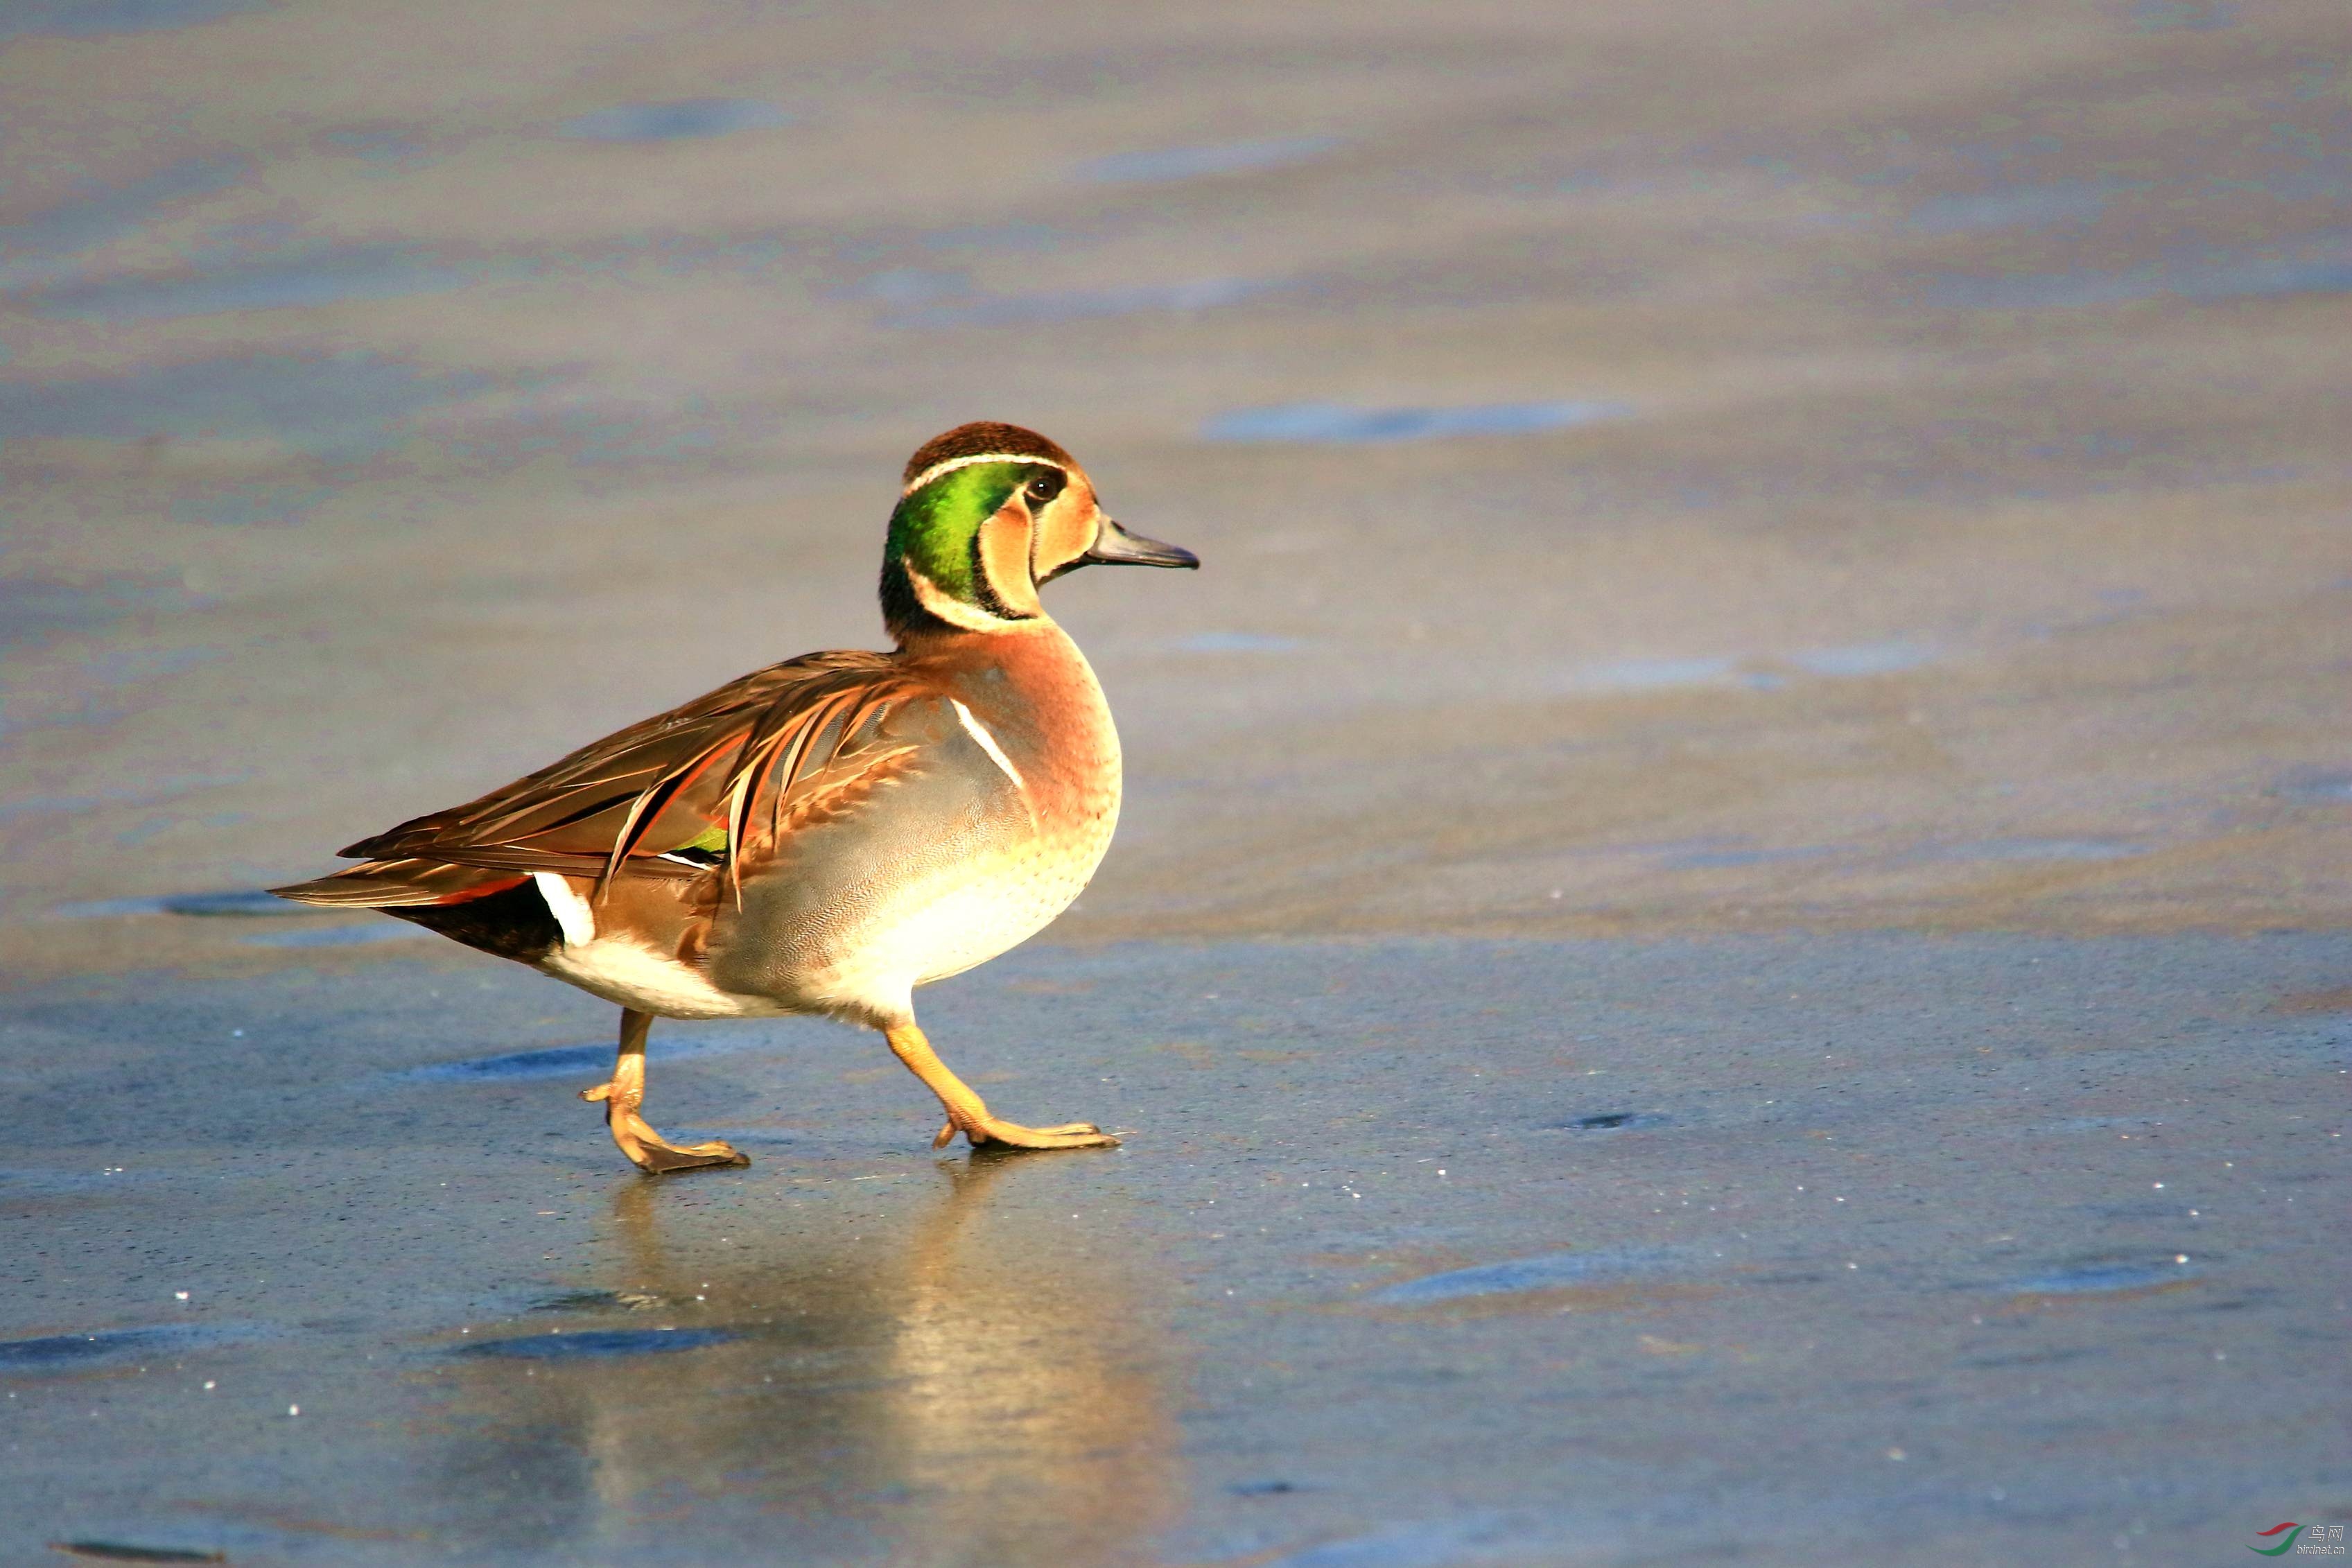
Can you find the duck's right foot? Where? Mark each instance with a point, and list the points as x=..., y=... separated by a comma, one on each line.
x=988, y=1133
x=967, y=1113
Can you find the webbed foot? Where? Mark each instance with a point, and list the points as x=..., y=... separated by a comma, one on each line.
x=988, y=1133
x=649, y=1149
x=646, y=1149
x=967, y=1113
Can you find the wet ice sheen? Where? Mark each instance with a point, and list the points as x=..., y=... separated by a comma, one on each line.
x=2034, y=850
x=1341, y=424
x=249, y=505
x=1717, y=858
x=1617, y=1121
x=36, y=610
x=248, y=903
x=2321, y=264
x=88, y=18
x=1842, y=661
x=43, y=249
x=67, y=1351
x=303, y=274
x=684, y=120
x=555, y=1061
x=2316, y=786
x=595, y=1342
x=1890, y=658
x=2027, y=206
x=1239, y=642
x=1548, y=1271
x=1654, y=674
x=2091, y=1278
x=339, y=406
x=2184, y=16
x=559, y=1061
x=1081, y=304
x=1193, y=163
x=22, y=1180
x=1264, y=1489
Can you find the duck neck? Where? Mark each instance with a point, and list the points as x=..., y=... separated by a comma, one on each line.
x=1033, y=688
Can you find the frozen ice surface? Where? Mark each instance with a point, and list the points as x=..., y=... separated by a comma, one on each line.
x=1390, y=1269
x=395, y=398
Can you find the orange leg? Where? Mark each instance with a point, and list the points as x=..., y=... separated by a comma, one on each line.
x=967, y=1113
x=646, y=1149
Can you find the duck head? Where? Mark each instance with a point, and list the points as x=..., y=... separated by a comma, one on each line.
x=988, y=514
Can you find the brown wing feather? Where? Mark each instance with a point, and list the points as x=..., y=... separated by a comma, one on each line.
x=774, y=739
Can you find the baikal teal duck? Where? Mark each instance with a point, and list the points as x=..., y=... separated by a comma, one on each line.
x=826, y=834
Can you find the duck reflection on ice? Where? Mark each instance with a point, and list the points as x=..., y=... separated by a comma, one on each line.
x=951, y=1381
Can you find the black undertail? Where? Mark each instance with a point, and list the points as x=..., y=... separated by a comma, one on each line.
x=514, y=925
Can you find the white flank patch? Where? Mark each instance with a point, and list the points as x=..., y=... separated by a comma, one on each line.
x=978, y=732
x=651, y=982
x=570, y=909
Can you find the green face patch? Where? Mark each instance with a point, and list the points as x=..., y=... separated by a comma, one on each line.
x=934, y=528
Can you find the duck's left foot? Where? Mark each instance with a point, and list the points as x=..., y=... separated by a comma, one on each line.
x=988, y=1133
x=649, y=1149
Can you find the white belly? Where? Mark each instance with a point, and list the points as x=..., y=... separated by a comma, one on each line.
x=927, y=934
x=933, y=933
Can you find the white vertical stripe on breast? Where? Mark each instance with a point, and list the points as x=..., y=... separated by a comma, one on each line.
x=570, y=909
x=978, y=732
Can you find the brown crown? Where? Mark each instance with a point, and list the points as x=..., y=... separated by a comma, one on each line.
x=977, y=439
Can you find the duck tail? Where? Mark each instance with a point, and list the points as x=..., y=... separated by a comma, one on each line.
x=402, y=884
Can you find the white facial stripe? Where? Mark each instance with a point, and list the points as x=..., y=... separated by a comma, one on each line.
x=953, y=610
x=952, y=464
x=978, y=732
x=570, y=909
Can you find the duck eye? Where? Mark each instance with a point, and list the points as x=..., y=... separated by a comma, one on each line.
x=1045, y=487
